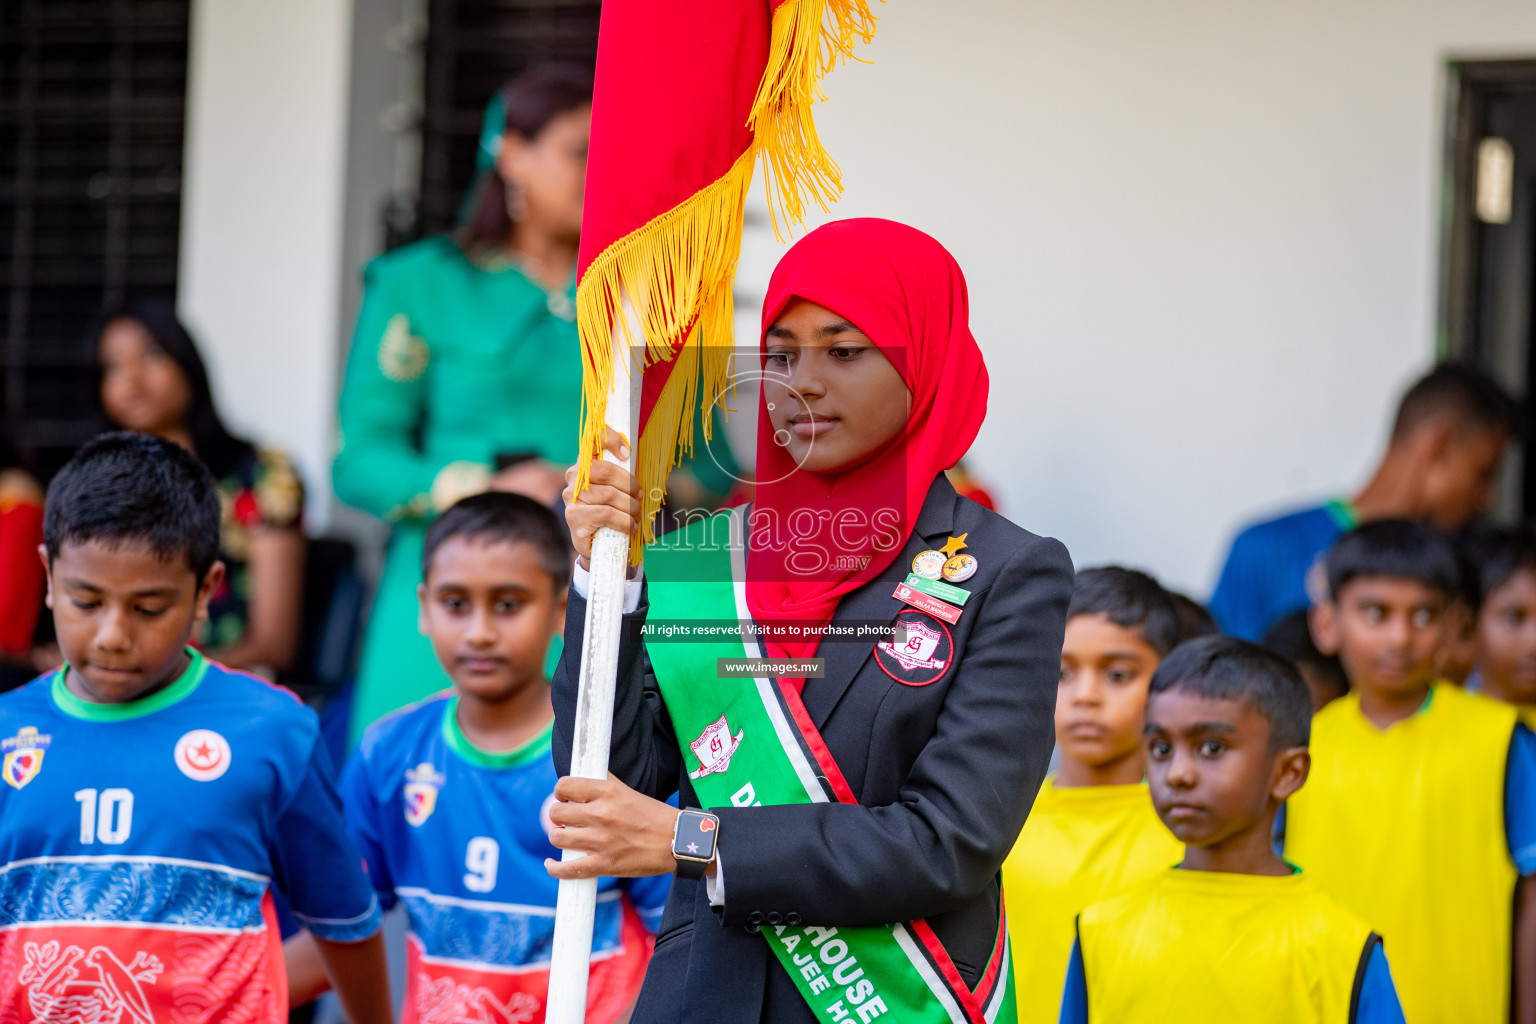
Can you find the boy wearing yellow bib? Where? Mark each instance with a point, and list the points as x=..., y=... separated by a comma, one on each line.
x=1421, y=812
x=1092, y=831
x=1233, y=933
x=1506, y=621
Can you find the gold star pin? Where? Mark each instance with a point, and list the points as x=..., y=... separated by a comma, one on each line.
x=953, y=545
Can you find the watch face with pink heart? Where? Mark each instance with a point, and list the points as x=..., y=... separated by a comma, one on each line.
x=693, y=844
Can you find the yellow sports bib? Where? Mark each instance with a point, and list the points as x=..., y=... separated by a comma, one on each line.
x=1215, y=947
x=1406, y=827
x=1079, y=845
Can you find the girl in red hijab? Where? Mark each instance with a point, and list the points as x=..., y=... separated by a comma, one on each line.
x=921, y=730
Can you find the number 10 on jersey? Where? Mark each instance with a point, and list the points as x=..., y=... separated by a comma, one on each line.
x=106, y=817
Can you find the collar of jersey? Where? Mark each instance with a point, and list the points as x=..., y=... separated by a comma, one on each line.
x=1419, y=712
x=534, y=749
x=1344, y=514
x=185, y=683
x=1097, y=796
x=1219, y=880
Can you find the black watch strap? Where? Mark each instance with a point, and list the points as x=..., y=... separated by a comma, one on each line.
x=693, y=842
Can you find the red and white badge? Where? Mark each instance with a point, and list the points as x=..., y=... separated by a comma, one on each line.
x=202, y=755
x=927, y=603
x=714, y=748
x=922, y=652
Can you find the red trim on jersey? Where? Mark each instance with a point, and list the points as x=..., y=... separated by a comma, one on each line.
x=436, y=990
x=277, y=967
x=269, y=684
x=72, y=970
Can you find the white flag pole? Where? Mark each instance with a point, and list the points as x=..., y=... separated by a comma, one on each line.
x=577, y=900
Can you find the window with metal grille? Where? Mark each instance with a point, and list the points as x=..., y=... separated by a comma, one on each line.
x=472, y=48
x=92, y=102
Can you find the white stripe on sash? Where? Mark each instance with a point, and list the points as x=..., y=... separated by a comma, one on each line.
x=935, y=984
x=788, y=736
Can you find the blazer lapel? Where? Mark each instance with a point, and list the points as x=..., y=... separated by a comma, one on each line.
x=875, y=601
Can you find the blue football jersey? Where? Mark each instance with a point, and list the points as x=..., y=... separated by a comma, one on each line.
x=139, y=843
x=1265, y=576
x=459, y=836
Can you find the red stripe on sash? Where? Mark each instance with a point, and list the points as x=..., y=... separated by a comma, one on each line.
x=970, y=1001
x=989, y=977
x=818, y=745
x=978, y=997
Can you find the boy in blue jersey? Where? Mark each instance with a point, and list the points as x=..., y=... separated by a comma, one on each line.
x=1447, y=442
x=449, y=799
x=1233, y=932
x=153, y=798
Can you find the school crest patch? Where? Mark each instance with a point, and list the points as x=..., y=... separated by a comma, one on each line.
x=924, y=653
x=420, y=792
x=714, y=748
x=23, y=756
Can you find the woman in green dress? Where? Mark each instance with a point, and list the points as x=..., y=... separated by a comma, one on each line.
x=465, y=369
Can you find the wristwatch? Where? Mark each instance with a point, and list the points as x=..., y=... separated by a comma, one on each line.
x=693, y=842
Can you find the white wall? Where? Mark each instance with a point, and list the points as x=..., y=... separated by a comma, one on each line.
x=1201, y=239
x=261, y=263
x=1201, y=236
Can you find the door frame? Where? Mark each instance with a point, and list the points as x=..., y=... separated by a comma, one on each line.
x=1469, y=84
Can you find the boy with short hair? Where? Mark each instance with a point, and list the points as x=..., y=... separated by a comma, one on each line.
x=1092, y=830
x=1233, y=933
x=1291, y=638
x=1506, y=622
x=449, y=798
x=1441, y=464
x=1421, y=811
x=154, y=798
x=1195, y=619
x=1458, y=651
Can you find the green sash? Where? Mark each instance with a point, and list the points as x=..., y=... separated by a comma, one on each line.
x=749, y=741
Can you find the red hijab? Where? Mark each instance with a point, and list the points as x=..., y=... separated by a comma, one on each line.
x=906, y=292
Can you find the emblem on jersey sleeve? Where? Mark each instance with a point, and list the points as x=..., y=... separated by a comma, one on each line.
x=921, y=652
x=420, y=792
x=714, y=748
x=202, y=755
x=23, y=756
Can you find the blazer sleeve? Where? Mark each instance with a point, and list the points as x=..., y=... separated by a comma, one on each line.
x=644, y=753
x=964, y=800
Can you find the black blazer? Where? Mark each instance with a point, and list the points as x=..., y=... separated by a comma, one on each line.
x=945, y=774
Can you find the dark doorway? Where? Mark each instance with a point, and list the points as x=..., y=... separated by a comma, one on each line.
x=1488, y=291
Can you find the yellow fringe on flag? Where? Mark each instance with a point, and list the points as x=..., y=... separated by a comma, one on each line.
x=677, y=272
x=809, y=38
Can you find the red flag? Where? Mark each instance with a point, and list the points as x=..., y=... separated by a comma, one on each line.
x=688, y=96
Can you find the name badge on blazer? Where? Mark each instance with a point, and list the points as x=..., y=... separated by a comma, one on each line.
x=927, y=603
